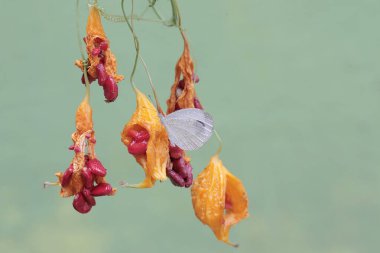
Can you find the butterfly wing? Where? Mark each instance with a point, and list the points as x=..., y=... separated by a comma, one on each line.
x=189, y=129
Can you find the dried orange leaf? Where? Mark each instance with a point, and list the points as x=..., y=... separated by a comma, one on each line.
x=155, y=159
x=219, y=199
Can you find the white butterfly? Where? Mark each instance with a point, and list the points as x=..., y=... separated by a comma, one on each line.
x=189, y=128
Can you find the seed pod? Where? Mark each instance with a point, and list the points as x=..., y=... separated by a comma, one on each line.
x=96, y=51
x=67, y=175
x=103, y=45
x=176, y=179
x=96, y=167
x=213, y=186
x=102, y=189
x=101, y=72
x=179, y=164
x=137, y=148
x=80, y=204
x=88, y=197
x=139, y=135
x=96, y=38
x=184, y=68
x=175, y=152
x=156, y=157
x=111, y=90
x=85, y=168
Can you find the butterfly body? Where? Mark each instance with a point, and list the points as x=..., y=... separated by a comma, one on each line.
x=189, y=128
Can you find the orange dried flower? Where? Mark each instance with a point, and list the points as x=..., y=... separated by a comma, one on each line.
x=85, y=169
x=219, y=199
x=182, y=93
x=147, y=140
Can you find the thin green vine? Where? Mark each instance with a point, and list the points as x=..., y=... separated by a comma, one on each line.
x=83, y=58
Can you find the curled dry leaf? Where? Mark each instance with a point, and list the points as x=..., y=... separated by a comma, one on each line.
x=182, y=93
x=146, y=139
x=219, y=199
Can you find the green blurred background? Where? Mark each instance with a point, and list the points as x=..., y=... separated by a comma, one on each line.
x=294, y=88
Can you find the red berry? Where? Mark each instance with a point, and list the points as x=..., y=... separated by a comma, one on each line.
x=101, y=189
x=96, y=167
x=66, y=178
x=80, y=204
x=137, y=148
x=101, y=73
x=88, y=197
x=103, y=45
x=110, y=89
x=139, y=135
x=95, y=51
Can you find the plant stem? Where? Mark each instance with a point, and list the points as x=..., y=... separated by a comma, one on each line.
x=84, y=62
x=137, y=45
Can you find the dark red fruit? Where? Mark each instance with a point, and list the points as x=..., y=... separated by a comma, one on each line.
x=80, y=204
x=137, y=148
x=178, y=163
x=101, y=189
x=88, y=197
x=102, y=74
x=176, y=179
x=103, y=46
x=66, y=178
x=110, y=89
x=175, y=152
x=139, y=135
x=96, y=51
x=96, y=167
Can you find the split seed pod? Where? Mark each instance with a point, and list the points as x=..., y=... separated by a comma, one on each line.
x=219, y=199
x=85, y=172
x=187, y=95
x=101, y=61
x=155, y=159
